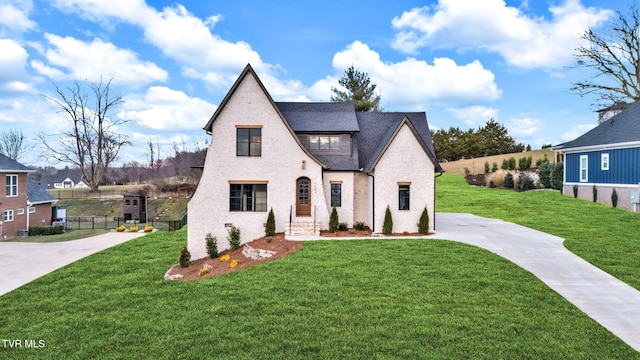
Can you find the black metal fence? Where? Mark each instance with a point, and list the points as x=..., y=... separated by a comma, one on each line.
x=111, y=222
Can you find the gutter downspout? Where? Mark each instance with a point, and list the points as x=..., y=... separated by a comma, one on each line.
x=373, y=202
x=434, y=201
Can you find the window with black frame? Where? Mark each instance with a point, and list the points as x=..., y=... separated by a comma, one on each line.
x=403, y=197
x=336, y=195
x=249, y=141
x=247, y=197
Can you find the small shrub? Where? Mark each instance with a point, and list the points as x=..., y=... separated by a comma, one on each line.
x=486, y=167
x=494, y=167
x=45, y=230
x=467, y=172
x=185, y=257
x=557, y=175
x=270, y=227
x=360, y=225
x=512, y=163
x=595, y=193
x=212, y=245
x=544, y=173
x=575, y=191
x=492, y=184
x=133, y=228
x=423, y=224
x=387, y=226
x=234, y=237
x=522, y=164
x=148, y=228
x=508, y=181
x=203, y=272
x=614, y=198
x=225, y=257
x=343, y=226
x=525, y=183
x=121, y=228
x=333, y=220
x=234, y=263
x=542, y=161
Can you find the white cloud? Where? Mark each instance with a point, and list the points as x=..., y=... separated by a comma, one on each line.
x=415, y=84
x=70, y=58
x=491, y=25
x=14, y=18
x=180, y=36
x=576, y=132
x=13, y=77
x=523, y=127
x=161, y=108
x=474, y=116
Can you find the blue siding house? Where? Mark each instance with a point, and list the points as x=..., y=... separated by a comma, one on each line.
x=607, y=157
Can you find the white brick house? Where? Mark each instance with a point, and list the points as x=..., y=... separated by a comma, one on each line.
x=303, y=159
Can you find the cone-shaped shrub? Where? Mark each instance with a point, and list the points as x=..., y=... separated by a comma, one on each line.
x=423, y=225
x=185, y=257
x=212, y=245
x=614, y=198
x=270, y=227
x=234, y=237
x=387, y=226
x=333, y=220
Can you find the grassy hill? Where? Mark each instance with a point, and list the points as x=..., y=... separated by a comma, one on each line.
x=476, y=166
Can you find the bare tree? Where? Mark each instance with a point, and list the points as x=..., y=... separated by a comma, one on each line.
x=12, y=144
x=93, y=140
x=613, y=58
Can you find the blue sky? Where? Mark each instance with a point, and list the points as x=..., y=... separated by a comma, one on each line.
x=463, y=62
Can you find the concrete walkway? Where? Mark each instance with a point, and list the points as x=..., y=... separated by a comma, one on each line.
x=609, y=301
x=22, y=262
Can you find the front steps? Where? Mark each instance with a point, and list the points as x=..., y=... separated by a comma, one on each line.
x=303, y=227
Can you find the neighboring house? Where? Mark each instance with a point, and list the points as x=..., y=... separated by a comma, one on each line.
x=607, y=157
x=303, y=159
x=23, y=202
x=64, y=179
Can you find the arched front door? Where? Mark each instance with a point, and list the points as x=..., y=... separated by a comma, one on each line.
x=303, y=196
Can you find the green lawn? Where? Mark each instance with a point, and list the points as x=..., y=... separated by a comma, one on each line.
x=606, y=237
x=333, y=299
x=388, y=298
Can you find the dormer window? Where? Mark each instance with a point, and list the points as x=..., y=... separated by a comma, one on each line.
x=248, y=140
x=321, y=142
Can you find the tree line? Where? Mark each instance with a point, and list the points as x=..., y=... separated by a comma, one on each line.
x=491, y=139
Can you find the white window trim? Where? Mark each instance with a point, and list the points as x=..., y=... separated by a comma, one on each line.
x=604, y=161
x=17, y=190
x=585, y=168
x=32, y=210
x=20, y=211
x=8, y=215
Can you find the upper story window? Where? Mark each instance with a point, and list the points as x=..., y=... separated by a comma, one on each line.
x=321, y=142
x=248, y=141
x=12, y=185
x=605, y=161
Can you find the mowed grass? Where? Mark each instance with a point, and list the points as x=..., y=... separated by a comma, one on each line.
x=367, y=299
x=607, y=237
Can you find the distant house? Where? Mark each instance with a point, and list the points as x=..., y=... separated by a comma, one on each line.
x=302, y=159
x=24, y=203
x=607, y=157
x=64, y=179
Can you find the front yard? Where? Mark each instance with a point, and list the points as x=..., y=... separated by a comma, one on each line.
x=391, y=298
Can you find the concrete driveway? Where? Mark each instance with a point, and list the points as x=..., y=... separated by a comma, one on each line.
x=609, y=301
x=22, y=262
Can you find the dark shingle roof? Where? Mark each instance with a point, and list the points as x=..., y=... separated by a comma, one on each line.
x=319, y=117
x=622, y=128
x=36, y=194
x=377, y=128
x=7, y=164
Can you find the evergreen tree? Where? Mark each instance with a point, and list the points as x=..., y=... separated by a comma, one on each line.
x=358, y=89
x=387, y=226
x=270, y=227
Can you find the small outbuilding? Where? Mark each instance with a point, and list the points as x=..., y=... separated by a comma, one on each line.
x=135, y=208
